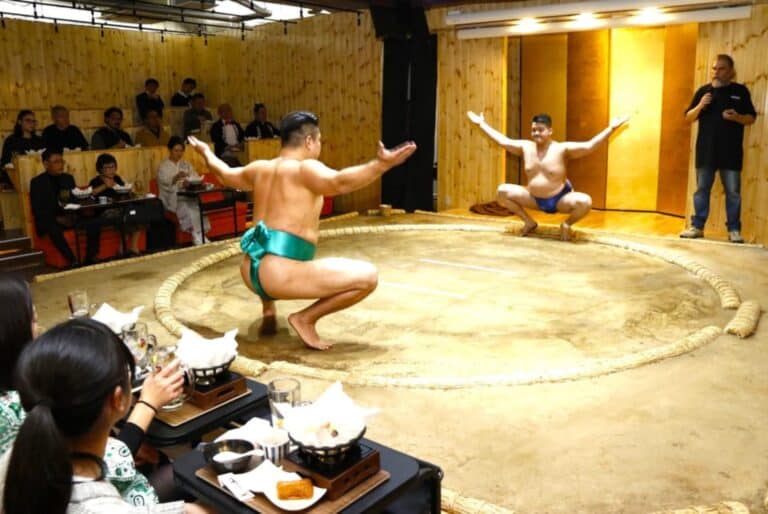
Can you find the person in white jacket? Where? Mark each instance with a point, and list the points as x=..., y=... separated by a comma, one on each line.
x=172, y=175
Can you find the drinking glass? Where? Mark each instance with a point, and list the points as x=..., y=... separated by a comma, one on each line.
x=163, y=356
x=284, y=393
x=78, y=304
x=135, y=337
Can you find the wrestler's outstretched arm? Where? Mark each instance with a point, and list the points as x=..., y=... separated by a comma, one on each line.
x=574, y=150
x=238, y=178
x=323, y=180
x=513, y=146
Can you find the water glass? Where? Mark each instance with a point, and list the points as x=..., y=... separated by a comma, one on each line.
x=284, y=393
x=135, y=337
x=78, y=304
x=163, y=356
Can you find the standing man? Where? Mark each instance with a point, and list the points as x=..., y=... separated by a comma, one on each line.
x=544, y=160
x=287, y=197
x=723, y=108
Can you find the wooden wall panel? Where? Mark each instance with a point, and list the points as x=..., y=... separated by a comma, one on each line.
x=745, y=41
x=587, y=108
x=328, y=64
x=514, y=163
x=679, y=63
x=471, y=75
x=636, y=86
x=544, y=83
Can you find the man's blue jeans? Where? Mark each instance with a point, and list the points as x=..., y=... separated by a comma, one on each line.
x=731, y=180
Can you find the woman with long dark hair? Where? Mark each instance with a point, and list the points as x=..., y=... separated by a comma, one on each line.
x=18, y=326
x=75, y=384
x=24, y=137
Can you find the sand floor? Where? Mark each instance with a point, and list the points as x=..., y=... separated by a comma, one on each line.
x=688, y=430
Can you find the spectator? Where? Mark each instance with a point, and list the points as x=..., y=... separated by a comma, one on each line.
x=183, y=96
x=21, y=141
x=48, y=192
x=103, y=185
x=149, y=99
x=196, y=114
x=173, y=174
x=152, y=133
x=260, y=128
x=61, y=134
x=74, y=383
x=110, y=135
x=227, y=136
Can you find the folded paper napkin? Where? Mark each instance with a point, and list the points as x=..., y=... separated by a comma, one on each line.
x=115, y=319
x=198, y=352
x=331, y=420
x=82, y=191
x=255, y=430
x=264, y=477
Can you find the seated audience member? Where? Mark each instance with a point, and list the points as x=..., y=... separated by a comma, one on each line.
x=103, y=185
x=18, y=327
x=110, y=135
x=149, y=99
x=152, y=133
x=61, y=134
x=74, y=383
x=227, y=136
x=182, y=97
x=260, y=128
x=196, y=114
x=48, y=193
x=173, y=174
x=20, y=141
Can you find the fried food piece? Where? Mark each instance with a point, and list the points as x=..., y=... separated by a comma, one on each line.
x=295, y=489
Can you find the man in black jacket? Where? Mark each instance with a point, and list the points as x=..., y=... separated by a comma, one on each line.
x=227, y=136
x=61, y=134
x=260, y=128
x=149, y=100
x=110, y=135
x=48, y=192
x=183, y=96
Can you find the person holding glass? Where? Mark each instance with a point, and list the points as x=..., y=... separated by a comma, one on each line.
x=18, y=327
x=174, y=174
x=74, y=384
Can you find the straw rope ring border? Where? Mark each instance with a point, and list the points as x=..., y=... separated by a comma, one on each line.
x=729, y=299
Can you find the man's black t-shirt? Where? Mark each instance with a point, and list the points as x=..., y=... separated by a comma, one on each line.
x=719, y=143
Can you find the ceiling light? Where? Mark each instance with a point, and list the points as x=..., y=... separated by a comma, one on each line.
x=650, y=16
x=586, y=21
x=527, y=25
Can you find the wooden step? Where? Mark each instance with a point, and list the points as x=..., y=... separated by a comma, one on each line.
x=21, y=260
x=14, y=239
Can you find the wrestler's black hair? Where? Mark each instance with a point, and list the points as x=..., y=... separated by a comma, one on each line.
x=297, y=125
x=544, y=119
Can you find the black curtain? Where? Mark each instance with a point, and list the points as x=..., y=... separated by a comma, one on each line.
x=408, y=113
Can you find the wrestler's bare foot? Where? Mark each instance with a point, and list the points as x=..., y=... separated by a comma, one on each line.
x=307, y=332
x=529, y=227
x=565, y=232
x=268, y=325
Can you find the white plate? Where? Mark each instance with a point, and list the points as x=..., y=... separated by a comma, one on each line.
x=271, y=495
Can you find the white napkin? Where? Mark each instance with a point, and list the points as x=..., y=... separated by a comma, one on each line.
x=253, y=431
x=71, y=207
x=82, y=191
x=264, y=477
x=333, y=419
x=198, y=352
x=115, y=319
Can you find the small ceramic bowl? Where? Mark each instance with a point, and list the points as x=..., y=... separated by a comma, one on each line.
x=234, y=465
